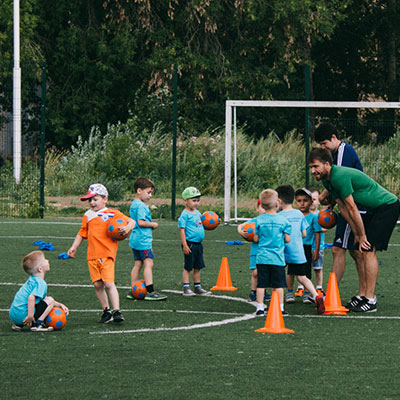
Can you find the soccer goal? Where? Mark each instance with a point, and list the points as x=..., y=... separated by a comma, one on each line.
x=231, y=145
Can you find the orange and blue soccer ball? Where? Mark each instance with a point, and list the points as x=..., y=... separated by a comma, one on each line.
x=210, y=220
x=56, y=318
x=250, y=227
x=113, y=225
x=327, y=218
x=139, y=290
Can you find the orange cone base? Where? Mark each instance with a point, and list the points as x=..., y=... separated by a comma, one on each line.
x=336, y=311
x=226, y=288
x=274, y=330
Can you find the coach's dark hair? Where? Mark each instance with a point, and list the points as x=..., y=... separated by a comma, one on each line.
x=318, y=154
x=286, y=193
x=325, y=132
x=142, y=183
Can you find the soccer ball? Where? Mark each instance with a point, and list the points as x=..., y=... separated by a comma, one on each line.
x=56, y=318
x=139, y=290
x=327, y=218
x=113, y=225
x=250, y=227
x=210, y=220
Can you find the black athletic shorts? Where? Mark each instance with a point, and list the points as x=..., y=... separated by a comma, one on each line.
x=297, y=269
x=379, y=224
x=271, y=276
x=344, y=237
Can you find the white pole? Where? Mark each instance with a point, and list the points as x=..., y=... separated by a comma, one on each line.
x=234, y=163
x=228, y=160
x=16, y=98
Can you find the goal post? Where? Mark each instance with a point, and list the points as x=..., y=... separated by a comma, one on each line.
x=230, y=127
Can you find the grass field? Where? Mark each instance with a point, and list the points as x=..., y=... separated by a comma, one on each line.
x=184, y=348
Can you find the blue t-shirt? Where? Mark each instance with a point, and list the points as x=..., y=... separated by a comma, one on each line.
x=294, y=250
x=313, y=226
x=271, y=244
x=140, y=238
x=19, y=308
x=191, y=222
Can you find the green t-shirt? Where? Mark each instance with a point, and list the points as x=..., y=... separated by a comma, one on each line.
x=344, y=181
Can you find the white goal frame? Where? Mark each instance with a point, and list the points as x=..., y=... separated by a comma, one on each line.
x=230, y=111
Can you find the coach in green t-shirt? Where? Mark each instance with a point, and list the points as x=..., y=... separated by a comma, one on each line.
x=349, y=187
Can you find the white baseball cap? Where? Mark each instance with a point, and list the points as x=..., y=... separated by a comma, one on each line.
x=96, y=188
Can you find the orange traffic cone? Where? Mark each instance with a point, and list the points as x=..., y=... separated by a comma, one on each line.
x=274, y=322
x=224, y=277
x=333, y=304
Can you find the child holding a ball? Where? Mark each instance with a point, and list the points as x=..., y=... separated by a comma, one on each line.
x=191, y=233
x=102, y=250
x=31, y=305
x=141, y=238
x=253, y=254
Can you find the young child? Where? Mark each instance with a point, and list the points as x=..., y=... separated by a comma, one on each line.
x=294, y=251
x=253, y=256
x=102, y=250
x=141, y=238
x=317, y=265
x=271, y=233
x=303, y=202
x=191, y=233
x=31, y=305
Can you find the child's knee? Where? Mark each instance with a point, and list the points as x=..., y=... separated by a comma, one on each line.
x=49, y=301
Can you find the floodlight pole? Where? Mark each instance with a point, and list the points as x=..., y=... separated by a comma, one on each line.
x=16, y=98
x=174, y=126
x=42, y=141
x=307, y=122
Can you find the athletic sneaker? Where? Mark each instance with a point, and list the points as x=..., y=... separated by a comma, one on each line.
x=267, y=296
x=353, y=303
x=42, y=328
x=200, y=291
x=320, y=292
x=307, y=299
x=117, y=316
x=16, y=327
x=188, y=292
x=155, y=296
x=319, y=304
x=299, y=293
x=106, y=316
x=260, y=313
x=285, y=313
x=290, y=298
x=130, y=296
x=253, y=296
x=365, y=306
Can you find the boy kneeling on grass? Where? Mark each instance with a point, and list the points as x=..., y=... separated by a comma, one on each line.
x=31, y=305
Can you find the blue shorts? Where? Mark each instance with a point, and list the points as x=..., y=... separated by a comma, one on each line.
x=271, y=276
x=194, y=260
x=253, y=262
x=320, y=262
x=140, y=255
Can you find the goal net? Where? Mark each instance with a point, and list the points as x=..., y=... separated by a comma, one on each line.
x=231, y=177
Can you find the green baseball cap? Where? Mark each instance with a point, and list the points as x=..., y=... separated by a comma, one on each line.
x=190, y=192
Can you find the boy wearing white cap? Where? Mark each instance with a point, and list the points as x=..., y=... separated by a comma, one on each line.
x=191, y=233
x=102, y=250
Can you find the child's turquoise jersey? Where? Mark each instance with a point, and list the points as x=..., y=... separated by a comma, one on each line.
x=271, y=245
x=313, y=226
x=19, y=308
x=140, y=238
x=294, y=250
x=322, y=244
x=191, y=222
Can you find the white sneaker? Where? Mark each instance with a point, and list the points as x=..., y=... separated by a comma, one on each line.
x=200, y=291
x=16, y=328
x=42, y=328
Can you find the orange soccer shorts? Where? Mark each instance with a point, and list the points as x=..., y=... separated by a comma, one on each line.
x=101, y=269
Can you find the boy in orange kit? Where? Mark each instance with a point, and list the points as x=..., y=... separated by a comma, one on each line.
x=102, y=250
